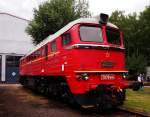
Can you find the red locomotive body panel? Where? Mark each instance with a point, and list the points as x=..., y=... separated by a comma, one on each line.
x=84, y=64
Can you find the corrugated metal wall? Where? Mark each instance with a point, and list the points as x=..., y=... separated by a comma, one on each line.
x=13, y=38
x=14, y=41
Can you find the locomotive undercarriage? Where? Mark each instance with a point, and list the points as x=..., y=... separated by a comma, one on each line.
x=57, y=89
x=103, y=97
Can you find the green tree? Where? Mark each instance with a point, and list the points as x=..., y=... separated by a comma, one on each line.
x=136, y=29
x=136, y=64
x=144, y=33
x=53, y=15
x=129, y=25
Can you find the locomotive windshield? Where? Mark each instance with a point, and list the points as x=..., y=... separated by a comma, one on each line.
x=113, y=36
x=88, y=33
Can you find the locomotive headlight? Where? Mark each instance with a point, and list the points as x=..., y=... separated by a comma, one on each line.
x=78, y=77
x=124, y=75
x=83, y=76
x=103, y=18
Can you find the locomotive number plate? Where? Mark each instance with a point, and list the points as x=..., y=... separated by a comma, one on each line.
x=107, y=77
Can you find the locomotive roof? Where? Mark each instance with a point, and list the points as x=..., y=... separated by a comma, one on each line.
x=67, y=27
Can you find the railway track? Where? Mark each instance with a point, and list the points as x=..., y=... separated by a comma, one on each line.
x=134, y=112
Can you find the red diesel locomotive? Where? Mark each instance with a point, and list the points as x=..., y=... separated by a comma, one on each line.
x=84, y=62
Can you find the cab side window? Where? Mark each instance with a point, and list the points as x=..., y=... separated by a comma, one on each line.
x=46, y=50
x=43, y=51
x=66, y=39
x=53, y=46
x=38, y=53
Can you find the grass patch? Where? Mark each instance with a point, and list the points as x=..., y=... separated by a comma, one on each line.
x=138, y=100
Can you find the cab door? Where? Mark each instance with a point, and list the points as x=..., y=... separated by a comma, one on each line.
x=44, y=59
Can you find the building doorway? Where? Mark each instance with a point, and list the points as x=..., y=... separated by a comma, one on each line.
x=0, y=66
x=12, y=68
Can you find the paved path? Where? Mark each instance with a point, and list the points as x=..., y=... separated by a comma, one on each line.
x=16, y=101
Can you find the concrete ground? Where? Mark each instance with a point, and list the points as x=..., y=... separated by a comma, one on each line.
x=17, y=101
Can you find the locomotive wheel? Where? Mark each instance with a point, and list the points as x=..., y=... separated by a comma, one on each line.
x=60, y=90
x=57, y=89
x=23, y=81
x=103, y=103
x=40, y=88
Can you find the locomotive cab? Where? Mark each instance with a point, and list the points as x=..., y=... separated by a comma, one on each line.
x=99, y=65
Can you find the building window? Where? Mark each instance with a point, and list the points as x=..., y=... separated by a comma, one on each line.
x=12, y=61
x=53, y=46
x=66, y=39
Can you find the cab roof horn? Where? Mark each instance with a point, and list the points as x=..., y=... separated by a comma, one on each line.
x=103, y=18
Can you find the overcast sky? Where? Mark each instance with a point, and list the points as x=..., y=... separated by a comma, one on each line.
x=24, y=8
